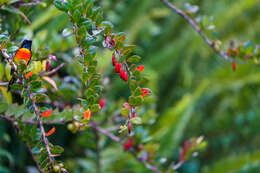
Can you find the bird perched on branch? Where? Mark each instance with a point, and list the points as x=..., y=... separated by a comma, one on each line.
x=23, y=54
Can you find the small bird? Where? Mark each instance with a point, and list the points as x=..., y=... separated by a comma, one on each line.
x=23, y=53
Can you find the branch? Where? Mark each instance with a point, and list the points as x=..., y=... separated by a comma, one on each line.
x=38, y=117
x=197, y=28
x=20, y=3
x=3, y=83
x=53, y=70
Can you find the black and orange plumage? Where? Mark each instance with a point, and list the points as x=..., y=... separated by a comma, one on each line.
x=23, y=53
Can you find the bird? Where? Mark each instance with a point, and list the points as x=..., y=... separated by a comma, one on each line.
x=23, y=53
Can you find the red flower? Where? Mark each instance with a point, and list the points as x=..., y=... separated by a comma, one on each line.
x=102, y=102
x=87, y=114
x=121, y=73
x=186, y=146
x=145, y=92
x=114, y=59
x=125, y=76
x=128, y=144
x=129, y=127
x=118, y=67
x=234, y=66
x=28, y=75
x=126, y=105
x=50, y=132
x=140, y=68
x=181, y=155
x=46, y=114
x=48, y=65
x=134, y=114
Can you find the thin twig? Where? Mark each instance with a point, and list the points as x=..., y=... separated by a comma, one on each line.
x=197, y=28
x=49, y=73
x=4, y=84
x=24, y=4
x=23, y=15
x=38, y=117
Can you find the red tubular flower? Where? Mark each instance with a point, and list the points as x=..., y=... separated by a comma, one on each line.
x=181, y=155
x=186, y=146
x=145, y=92
x=125, y=76
x=87, y=114
x=28, y=75
x=102, y=102
x=113, y=42
x=234, y=66
x=107, y=40
x=129, y=144
x=140, y=68
x=118, y=67
x=114, y=59
x=129, y=127
x=48, y=65
x=46, y=114
x=50, y=132
x=127, y=105
x=121, y=73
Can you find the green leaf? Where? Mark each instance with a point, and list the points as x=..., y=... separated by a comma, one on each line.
x=128, y=49
x=57, y=149
x=95, y=108
x=136, y=120
x=61, y=5
x=125, y=112
x=17, y=87
x=138, y=100
x=131, y=100
x=134, y=59
x=2, y=71
x=3, y=107
x=138, y=91
x=76, y=16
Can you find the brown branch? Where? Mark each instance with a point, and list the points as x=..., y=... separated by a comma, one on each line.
x=23, y=15
x=4, y=84
x=197, y=28
x=49, y=73
x=33, y=3
x=38, y=117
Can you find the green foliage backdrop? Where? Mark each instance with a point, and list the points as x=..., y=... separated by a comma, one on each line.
x=195, y=91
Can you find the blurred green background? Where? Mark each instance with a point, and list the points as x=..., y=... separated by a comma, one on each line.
x=195, y=92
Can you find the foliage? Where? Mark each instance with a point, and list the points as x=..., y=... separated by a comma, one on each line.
x=190, y=90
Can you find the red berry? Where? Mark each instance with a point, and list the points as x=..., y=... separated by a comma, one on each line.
x=114, y=59
x=125, y=76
